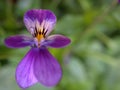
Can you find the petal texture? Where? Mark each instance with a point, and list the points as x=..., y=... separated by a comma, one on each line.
x=18, y=41
x=40, y=19
x=24, y=72
x=57, y=41
x=46, y=68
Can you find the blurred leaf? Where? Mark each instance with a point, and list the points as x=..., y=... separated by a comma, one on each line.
x=69, y=24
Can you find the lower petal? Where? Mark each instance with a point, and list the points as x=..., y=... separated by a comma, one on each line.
x=24, y=72
x=46, y=68
x=18, y=41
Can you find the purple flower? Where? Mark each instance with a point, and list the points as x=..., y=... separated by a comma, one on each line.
x=38, y=65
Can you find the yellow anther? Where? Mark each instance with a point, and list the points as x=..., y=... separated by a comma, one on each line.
x=39, y=37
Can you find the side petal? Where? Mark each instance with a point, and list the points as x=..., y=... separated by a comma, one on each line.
x=18, y=41
x=46, y=69
x=39, y=18
x=24, y=72
x=57, y=41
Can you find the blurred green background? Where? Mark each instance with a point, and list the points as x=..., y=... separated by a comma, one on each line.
x=90, y=62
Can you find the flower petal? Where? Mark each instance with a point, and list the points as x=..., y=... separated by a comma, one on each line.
x=57, y=41
x=46, y=68
x=40, y=19
x=18, y=41
x=24, y=72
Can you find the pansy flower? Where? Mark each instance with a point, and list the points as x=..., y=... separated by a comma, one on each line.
x=38, y=65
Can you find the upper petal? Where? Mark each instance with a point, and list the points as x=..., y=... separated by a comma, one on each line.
x=57, y=41
x=46, y=68
x=24, y=72
x=18, y=41
x=39, y=18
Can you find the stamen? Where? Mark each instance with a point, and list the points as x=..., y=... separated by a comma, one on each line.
x=39, y=36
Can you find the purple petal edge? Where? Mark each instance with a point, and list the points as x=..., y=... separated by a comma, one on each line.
x=18, y=41
x=57, y=41
x=46, y=68
x=24, y=72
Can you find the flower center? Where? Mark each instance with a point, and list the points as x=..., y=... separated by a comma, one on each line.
x=39, y=35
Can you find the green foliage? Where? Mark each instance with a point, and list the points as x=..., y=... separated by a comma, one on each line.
x=90, y=62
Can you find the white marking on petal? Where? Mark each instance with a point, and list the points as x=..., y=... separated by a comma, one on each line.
x=32, y=30
x=30, y=25
x=47, y=26
x=37, y=24
x=42, y=25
